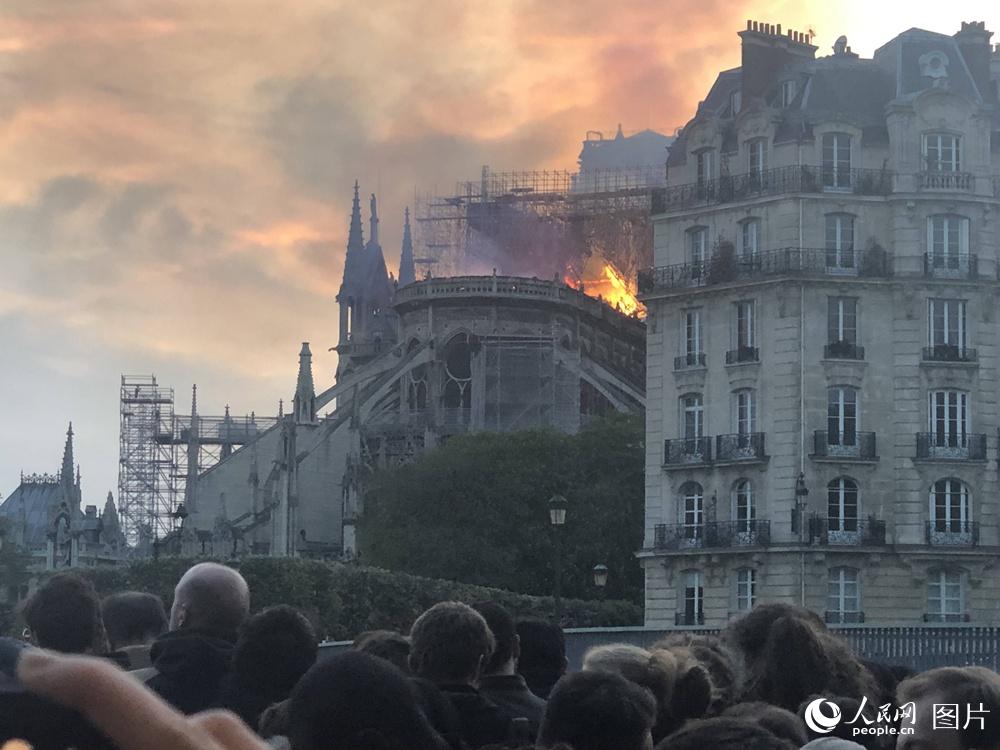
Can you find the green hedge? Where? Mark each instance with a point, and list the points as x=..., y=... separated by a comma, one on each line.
x=347, y=599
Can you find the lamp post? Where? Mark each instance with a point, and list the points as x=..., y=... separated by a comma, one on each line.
x=801, y=492
x=557, y=518
x=601, y=578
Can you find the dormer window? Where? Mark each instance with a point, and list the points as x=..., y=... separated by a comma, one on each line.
x=942, y=152
x=787, y=94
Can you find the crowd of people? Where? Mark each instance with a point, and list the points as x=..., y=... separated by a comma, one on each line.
x=209, y=674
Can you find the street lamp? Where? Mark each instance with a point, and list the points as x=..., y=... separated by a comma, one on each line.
x=801, y=492
x=601, y=577
x=557, y=518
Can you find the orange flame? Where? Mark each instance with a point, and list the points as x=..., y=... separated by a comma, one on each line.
x=601, y=279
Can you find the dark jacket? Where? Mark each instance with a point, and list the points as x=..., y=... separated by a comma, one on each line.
x=46, y=725
x=511, y=694
x=481, y=720
x=190, y=666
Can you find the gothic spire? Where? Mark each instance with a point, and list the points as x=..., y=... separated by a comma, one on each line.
x=407, y=271
x=66, y=474
x=373, y=232
x=355, y=242
x=305, y=392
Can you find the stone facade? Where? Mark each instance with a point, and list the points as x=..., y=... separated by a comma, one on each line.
x=823, y=339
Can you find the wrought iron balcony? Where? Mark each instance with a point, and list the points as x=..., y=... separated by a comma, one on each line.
x=951, y=265
x=843, y=618
x=848, y=532
x=742, y=354
x=687, y=451
x=843, y=350
x=747, y=446
x=790, y=261
x=712, y=535
x=935, y=179
x=689, y=618
x=690, y=361
x=778, y=181
x=953, y=533
x=951, y=446
x=858, y=446
x=946, y=617
x=949, y=353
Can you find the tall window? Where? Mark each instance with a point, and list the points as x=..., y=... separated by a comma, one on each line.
x=945, y=596
x=746, y=589
x=757, y=156
x=946, y=323
x=836, y=160
x=694, y=598
x=948, y=240
x=698, y=246
x=749, y=240
x=843, y=595
x=840, y=241
x=745, y=322
x=694, y=510
x=951, y=511
x=787, y=95
x=842, y=505
x=692, y=336
x=744, y=512
x=942, y=152
x=706, y=166
x=842, y=416
x=745, y=411
x=458, y=372
x=693, y=415
x=948, y=415
x=842, y=320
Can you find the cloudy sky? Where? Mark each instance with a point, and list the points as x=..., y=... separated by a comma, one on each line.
x=175, y=177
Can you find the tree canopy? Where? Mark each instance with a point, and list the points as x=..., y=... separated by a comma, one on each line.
x=476, y=510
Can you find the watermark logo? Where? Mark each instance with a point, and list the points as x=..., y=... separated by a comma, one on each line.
x=819, y=721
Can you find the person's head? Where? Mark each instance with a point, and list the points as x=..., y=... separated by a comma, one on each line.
x=543, y=655
x=450, y=643
x=385, y=644
x=724, y=733
x=598, y=710
x=355, y=701
x=716, y=659
x=676, y=680
x=778, y=721
x=508, y=645
x=65, y=615
x=133, y=618
x=210, y=597
x=970, y=688
x=275, y=648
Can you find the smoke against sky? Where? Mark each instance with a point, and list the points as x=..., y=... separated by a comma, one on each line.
x=175, y=177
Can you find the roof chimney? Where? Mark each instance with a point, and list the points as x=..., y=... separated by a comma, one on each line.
x=766, y=52
x=974, y=41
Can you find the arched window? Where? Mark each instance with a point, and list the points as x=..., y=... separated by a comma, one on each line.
x=458, y=373
x=843, y=600
x=950, y=512
x=749, y=240
x=744, y=509
x=837, y=161
x=948, y=242
x=840, y=242
x=693, y=603
x=692, y=416
x=945, y=596
x=842, y=511
x=757, y=157
x=842, y=418
x=746, y=589
x=745, y=411
x=692, y=513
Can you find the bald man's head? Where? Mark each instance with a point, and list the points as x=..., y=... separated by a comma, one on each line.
x=212, y=597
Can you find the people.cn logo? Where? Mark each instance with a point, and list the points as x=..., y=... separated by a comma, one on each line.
x=817, y=720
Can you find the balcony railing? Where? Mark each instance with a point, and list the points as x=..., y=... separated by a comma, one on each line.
x=843, y=618
x=848, y=532
x=953, y=534
x=712, y=535
x=949, y=353
x=742, y=354
x=859, y=446
x=946, y=617
x=843, y=350
x=951, y=265
x=951, y=446
x=942, y=180
x=747, y=446
x=689, y=618
x=777, y=181
x=791, y=261
x=687, y=451
x=689, y=361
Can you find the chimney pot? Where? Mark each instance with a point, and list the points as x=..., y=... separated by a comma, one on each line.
x=754, y=26
x=749, y=25
x=778, y=29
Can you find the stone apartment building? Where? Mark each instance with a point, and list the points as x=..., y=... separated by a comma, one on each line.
x=822, y=341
